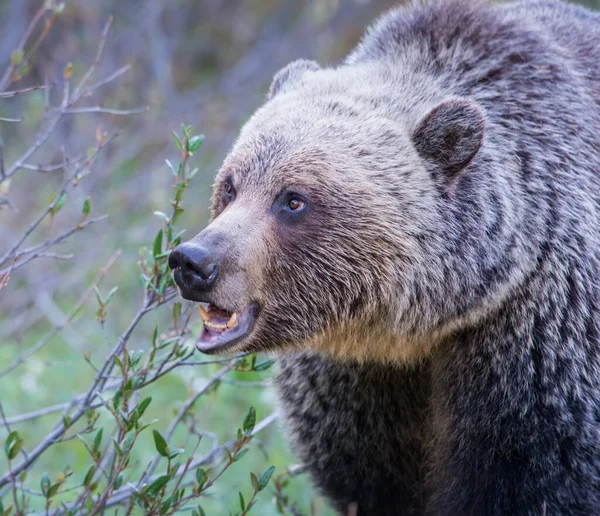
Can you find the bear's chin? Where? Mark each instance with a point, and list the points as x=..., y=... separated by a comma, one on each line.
x=224, y=331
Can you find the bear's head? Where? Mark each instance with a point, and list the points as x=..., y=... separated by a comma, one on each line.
x=326, y=217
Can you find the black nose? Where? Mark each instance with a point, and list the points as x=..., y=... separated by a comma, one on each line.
x=195, y=267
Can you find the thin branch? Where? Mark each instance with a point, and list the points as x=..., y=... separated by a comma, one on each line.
x=188, y=404
x=7, y=426
x=2, y=171
x=10, y=254
x=96, y=62
x=59, y=429
x=6, y=77
x=14, y=93
x=37, y=251
x=241, y=383
x=100, y=109
x=52, y=333
x=125, y=492
x=54, y=166
x=106, y=80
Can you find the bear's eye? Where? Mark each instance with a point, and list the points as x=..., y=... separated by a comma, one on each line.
x=228, y=188
x=295, y=204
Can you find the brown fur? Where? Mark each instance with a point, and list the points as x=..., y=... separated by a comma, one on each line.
x=438, y=298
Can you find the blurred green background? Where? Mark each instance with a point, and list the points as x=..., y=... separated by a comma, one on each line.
x=204, y=63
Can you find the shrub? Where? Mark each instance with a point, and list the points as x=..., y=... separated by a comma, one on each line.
x=111, y=420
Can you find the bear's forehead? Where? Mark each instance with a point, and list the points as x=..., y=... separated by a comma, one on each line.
x=274, y=163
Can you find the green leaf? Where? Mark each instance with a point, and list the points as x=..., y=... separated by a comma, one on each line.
x=176, y=312
x=242, y=503
x=158, y=484
x=179, y=193
x=254, y=481
x=128, y=442
x=240, y=454
x=166, y=505
x=117, y=447
x=118, y=394
x=174, y=468
x=263, y=366
x=265, y=477
x=171, y=168
x=87, y=207
x=13, y=444
x=195, y=142
x=177, y=140
x=16, y=57
x=157, y=249
x=160, y=443
x=45, y=484
x=110, y=295
x=177, y=214
x=58, y=204
x=141, y=408
x=201, y=477
x=98, y=296
x=118, y=481
x=89, y=475
x=249, y=421
x=175, y=453
x=53, y=490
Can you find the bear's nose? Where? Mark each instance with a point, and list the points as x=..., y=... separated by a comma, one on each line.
x=197, y=268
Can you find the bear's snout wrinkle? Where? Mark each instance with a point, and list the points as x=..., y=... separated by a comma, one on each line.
x=196, y=269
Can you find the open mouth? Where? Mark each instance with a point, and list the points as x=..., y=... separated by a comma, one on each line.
x=223, y=329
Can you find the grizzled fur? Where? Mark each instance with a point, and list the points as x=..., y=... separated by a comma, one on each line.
x=503, y=416
x=438, y=298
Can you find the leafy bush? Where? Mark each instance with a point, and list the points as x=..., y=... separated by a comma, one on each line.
x=113, y=420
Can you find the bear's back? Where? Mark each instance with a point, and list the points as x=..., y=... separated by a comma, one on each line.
x=457, y=37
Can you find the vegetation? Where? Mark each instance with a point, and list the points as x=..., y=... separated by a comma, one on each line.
x=116, y=429
x=105, y=404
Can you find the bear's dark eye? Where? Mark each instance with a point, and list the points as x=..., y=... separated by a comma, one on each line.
x=295, y=204
x=291, y=207
x=228, y=188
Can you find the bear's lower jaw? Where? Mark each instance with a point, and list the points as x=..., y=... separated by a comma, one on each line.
x=222, y=331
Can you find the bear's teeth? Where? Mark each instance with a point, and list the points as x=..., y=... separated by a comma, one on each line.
x=206, y=319
x=232, y=321
x=203, y=313
x=213, y=326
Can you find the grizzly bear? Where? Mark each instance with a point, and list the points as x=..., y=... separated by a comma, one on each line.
x=417, y=231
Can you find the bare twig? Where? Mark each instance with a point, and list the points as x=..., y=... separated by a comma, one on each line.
x=2, y=171
x=38, y=250
x=99, y=109
x=106, y=80
x=6, y=77
x=99, y=51
x=52, y=333
x=14, y=93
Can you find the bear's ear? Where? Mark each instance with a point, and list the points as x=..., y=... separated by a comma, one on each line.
x=450, y=135
x=290, y=75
